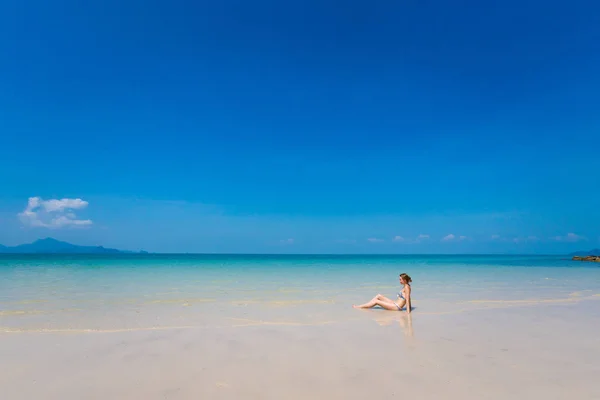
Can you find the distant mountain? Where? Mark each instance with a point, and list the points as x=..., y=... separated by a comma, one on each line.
x=593, y=252
x=53, y=246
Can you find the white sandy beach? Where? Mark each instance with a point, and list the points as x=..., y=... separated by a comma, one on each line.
x=528, y=350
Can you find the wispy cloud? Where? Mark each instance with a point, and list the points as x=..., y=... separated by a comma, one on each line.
x=287, y=241
x=375, y=240
x=53, y=213
x=517, y=239
x=452, y=237
x=569, y=237
x=527, y=239
x=401, y=239
x=422, y=237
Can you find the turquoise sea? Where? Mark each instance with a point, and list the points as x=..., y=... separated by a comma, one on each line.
x=96, y=292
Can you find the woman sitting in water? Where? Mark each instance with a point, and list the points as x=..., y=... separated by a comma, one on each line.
x=388, y=304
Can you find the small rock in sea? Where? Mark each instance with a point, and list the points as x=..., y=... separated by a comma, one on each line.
x=587, y=258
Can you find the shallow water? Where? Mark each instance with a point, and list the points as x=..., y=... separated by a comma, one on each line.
x=266, y=327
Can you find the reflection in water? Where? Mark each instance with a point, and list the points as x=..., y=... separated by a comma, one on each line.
x=405, y=323
x=404, y=320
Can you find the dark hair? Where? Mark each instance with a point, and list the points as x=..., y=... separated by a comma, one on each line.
x=406, y=278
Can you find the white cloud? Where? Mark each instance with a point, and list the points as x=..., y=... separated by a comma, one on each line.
x=374, y=240
x=287, y=241
x=55, y=205
x=533, y=238
x=570, y=237
x=422, y=237
x=451, y=237
x=398, y=239
x=53, y=213
x=495, y=237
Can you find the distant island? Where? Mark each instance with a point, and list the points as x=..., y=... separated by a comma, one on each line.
x=592, y=255
x=53, y=246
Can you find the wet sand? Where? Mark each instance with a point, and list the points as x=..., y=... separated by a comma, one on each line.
x=308, y=350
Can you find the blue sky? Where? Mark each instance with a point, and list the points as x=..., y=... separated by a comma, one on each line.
x=302, y=126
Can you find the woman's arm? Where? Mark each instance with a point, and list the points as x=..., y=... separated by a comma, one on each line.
x=408, y=305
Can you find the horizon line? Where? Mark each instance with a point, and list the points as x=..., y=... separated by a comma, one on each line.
x=147, y=253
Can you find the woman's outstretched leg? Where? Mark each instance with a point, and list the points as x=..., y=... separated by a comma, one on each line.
x=379, y=301
x=370, y=304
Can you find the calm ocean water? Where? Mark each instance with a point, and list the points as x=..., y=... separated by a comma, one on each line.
x=42, y=291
